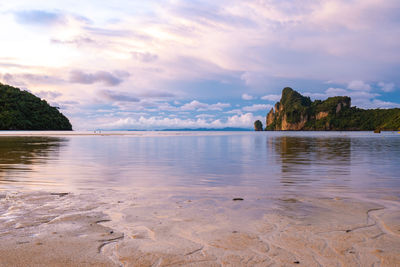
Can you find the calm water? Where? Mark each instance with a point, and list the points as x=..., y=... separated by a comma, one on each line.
x=348, y=161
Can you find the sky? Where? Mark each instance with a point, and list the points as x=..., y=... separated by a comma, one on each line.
x=197, y=64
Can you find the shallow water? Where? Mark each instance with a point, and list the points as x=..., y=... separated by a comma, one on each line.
x=165, y=198
x=272, y=162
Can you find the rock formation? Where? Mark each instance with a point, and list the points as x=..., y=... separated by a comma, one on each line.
x=296, y=112
x=258, y=125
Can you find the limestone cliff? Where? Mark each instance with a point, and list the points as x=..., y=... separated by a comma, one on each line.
x=297, y=112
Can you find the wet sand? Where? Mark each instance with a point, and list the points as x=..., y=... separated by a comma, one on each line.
x=164, y=228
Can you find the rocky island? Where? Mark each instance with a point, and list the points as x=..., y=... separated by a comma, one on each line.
x=21, y=110
x=297, y=112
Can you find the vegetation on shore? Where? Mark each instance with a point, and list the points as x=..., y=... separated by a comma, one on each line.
x=297, y=112
x=21, y=110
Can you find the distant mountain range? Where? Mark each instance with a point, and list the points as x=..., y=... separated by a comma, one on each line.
x=297, y=112
x=209, y=129
x=21, y=110
x=193, y=129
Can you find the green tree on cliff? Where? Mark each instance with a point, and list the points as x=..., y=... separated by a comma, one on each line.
x=21, y=110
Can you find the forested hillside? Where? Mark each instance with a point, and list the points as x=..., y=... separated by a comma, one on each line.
x=21, y=110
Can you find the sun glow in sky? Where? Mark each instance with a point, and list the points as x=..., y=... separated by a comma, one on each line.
x=190, y=64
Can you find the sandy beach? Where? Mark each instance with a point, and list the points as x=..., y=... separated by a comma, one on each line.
x=111, y=228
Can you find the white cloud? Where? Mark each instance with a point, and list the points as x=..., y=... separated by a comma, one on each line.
x=337, y=92
x=234, y=111
x=205, y=116
x=155, y=122
x=376, y=103
x=247, y=97
x=193, y=105
x=386, y=87
x=199, y=106
x=359, y=85
x=361, y=99
x=167, y=107
x=271, y=97
x=244, y=120
x=257, y=107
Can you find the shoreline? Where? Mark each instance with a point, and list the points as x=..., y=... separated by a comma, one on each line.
x=113, y=228
x=173, y=132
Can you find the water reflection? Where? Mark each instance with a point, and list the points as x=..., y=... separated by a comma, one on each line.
x=306, y=159
x=290, y=161
x=21, y=154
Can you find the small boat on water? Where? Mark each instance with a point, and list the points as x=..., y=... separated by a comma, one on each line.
x=377, y=131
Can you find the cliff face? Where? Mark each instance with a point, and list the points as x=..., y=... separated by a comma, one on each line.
x=21, y=110
x=297, y=112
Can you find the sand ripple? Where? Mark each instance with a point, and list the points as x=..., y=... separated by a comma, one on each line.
x=113, y=229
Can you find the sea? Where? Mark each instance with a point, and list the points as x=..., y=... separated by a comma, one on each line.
x=270, y=162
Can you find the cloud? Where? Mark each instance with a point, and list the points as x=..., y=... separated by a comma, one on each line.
x=10, y=79
x=196, y=105
x=359, y=98
x=165, y=106
x=257, y=107
x=39, y=17
x=195, y=50
x=191, y=106
x=64, y=105
x=247, y=97
x=155, y=94
x=48, y=18
x=156, y=122
x=205, y=116
x=48, y=94
x=113, y=32
x=78, y=41
x=359, y=85
x=243, y=120
x=209, y=14
x=69, y=102
x=118, y=97
x=77, y=76
x=386, y=87
x=25, y=79
x=254, y=79
x=331, y=91
x=234, y=111
x=384, y=104
x=144, y=56
x=271, y=97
